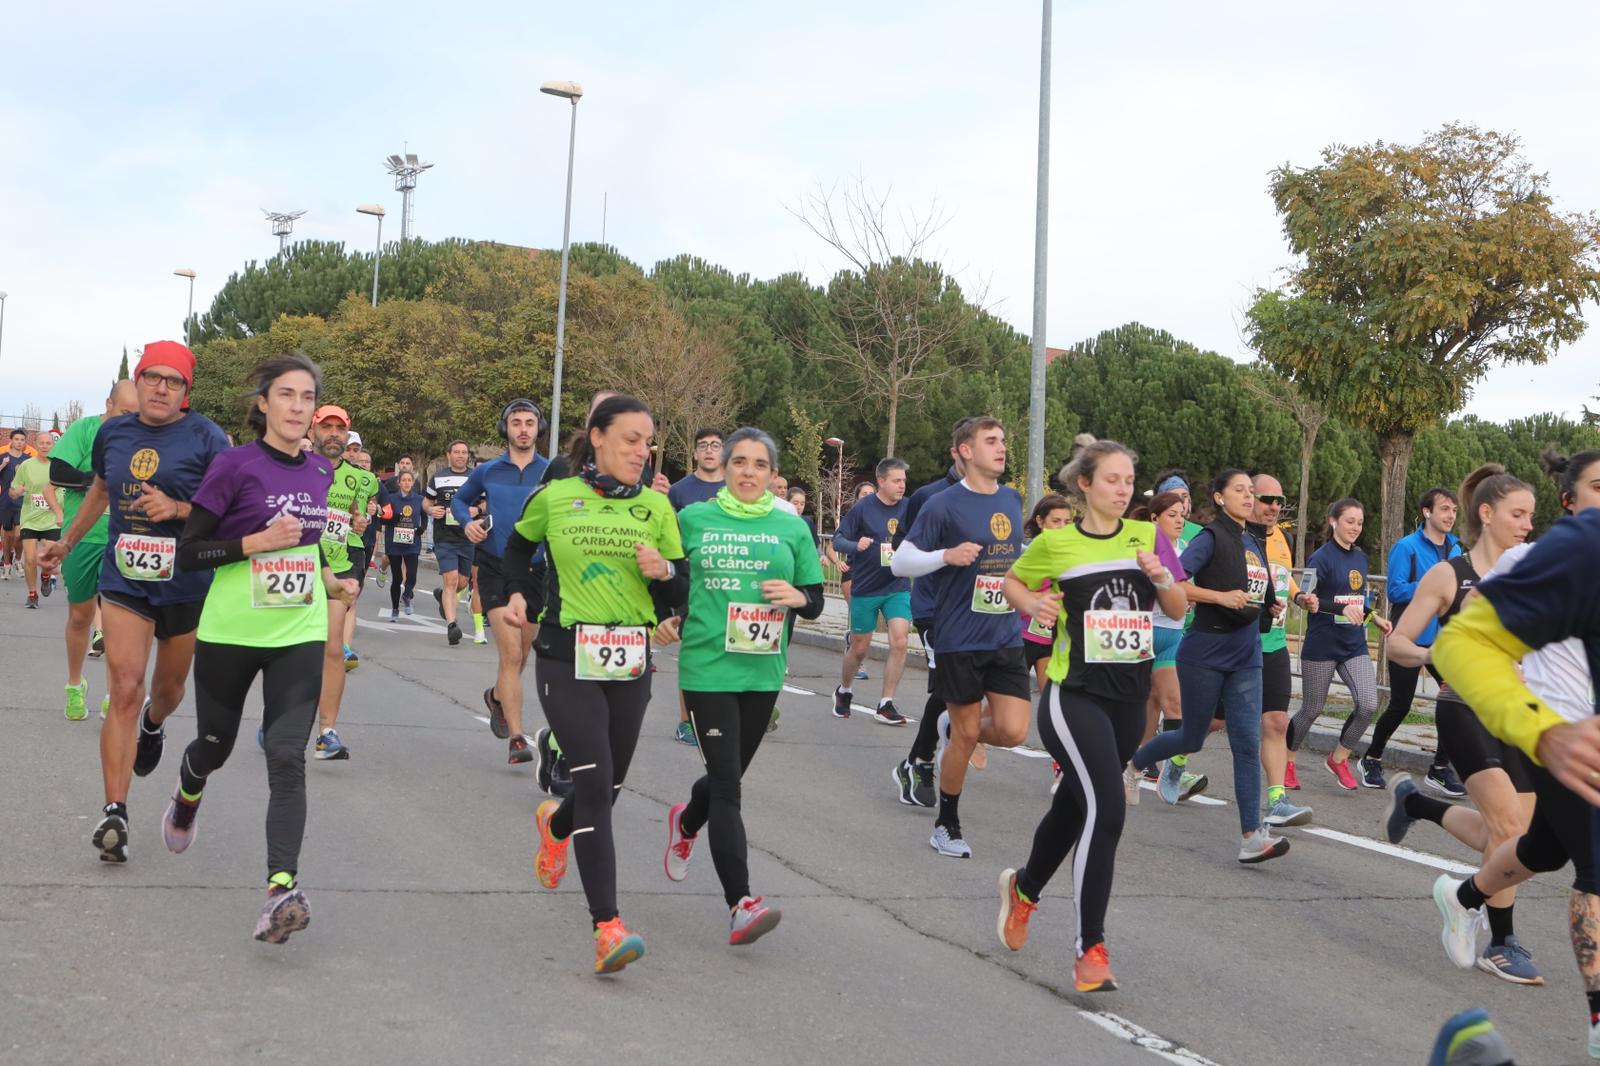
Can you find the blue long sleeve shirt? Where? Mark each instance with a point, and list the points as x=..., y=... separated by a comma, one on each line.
x=507, y=487
x=1411, y=557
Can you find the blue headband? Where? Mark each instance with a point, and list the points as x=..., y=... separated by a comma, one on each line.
x=1173, y=482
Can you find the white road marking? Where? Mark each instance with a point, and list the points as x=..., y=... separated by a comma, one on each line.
x=481, y=718
x=1201, y=801
x=1421, y=858
x=1141, y=1037
x=798, y=691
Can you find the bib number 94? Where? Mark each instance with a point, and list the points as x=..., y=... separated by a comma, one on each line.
x=754, y=629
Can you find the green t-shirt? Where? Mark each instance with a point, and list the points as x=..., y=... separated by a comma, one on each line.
x=34, y=477
x=347, y=497
x=1280, y=563
x=76, y=449
x=733, y=641
x=590, y=540
x=368, y=490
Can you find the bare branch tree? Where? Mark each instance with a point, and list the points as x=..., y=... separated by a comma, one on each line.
x=1267, y=387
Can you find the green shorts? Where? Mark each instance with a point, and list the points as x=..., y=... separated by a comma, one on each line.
x=864, y=610
x=81, y=569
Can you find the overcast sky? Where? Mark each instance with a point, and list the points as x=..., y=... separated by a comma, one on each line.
x=141, y=138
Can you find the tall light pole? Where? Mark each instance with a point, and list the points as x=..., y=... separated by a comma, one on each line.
x=2, y=320
x=838, y=485
x=1041, y=264
x=185, y=272
x=572, y=92
x=405, y=169
x=375, y=210
x=282, y=226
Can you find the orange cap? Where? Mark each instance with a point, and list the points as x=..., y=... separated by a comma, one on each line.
x=327, y=411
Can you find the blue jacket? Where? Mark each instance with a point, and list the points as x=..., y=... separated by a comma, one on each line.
x=507, y=489
x=1409, y=559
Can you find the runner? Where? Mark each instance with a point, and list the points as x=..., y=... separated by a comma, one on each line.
x=593, y=667
x=1499, y=516
x=867, y=533
x=41, y=519
x=451, y=549
x=1277, y=673
x=258, y=520
x=72, y=470
x=1411, y=557
x=405, y=520
x=1100, y=579
x=1165, y=686
x=16, y=453
x=364, y=545
x=750, y=568
x=1546, y=602
x=147, y=466
x=973, y=532
x=1053, y=511
x=503, y=485
x=704, y=481
x=1219, y=660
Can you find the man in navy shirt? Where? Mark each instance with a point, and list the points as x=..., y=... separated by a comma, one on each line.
x=867, y=534
x=705, y=479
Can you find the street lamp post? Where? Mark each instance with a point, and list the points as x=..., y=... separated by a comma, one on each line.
x=838, y=485
x=185, y=272
x=572, y=92
x=376, y=211
x=1041, y=263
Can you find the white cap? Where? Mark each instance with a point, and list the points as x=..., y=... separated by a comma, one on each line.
x=355, y=438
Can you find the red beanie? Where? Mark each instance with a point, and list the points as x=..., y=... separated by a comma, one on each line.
x=169, y=354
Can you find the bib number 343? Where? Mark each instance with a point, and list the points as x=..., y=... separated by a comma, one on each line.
x=754, y=629
x=146, y=558
x=611, y=653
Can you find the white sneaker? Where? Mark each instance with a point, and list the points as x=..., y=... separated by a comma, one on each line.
x=1261, y=845
x=680, y=848
x=1130, y=784
x=480, y=637
x=947, y=843
x=1594, y=1041
x=1460, y=932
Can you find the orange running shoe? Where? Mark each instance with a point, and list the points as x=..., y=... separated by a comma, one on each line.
x=1093, y=971
x=550, y=861
x=615, y=947
x=1014, y=912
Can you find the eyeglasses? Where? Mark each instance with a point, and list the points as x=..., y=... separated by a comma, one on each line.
x=708, y=446
x=153, y=378
x=1271, y=501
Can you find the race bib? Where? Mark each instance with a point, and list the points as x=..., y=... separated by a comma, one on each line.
x=338, y=527
x=1280, y=584
x=755, y=629
x=885, y=554
x=1039, y=629
x=146, y=558
x=1341, y=602
x=989, y=595
x=403, y=535
x=1118, y=636
x=611, y=653
x=1256, y=581
x=284, y=578
x=39, y=502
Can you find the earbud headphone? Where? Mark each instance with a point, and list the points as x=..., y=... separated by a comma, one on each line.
x=521, y=404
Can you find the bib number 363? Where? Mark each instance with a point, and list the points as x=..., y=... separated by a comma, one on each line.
x=146, y=558
x=611, y=653
x=284, y=579
x=754, y=629
x=1118, y=636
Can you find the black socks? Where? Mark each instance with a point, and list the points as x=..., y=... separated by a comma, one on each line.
x=949, y=813
x=1426, y=808
x=1469, y=896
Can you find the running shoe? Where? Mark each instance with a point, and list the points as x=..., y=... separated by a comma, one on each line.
x=383, y=577
x=680, y=846
x=1396, y=822
x=497, y=714
x=147, y=753
x=547, y=760
x=1131, y=784
x=480, y=637
x=1170, y=785
x=861, y=675
x=841, y=703
x=329, y=746
x=77, y=695
x=287, y=911
x=751, y=920
x=684, y=734
x=105, y=706
x=406, y=605
x=1470, y=1039
x=1261, y=845
x=1152, y=773
x=177, y=824
x=948, y=841
x=111, y=837
x=615, y=947
x=438, y=598
x=1460, y=932
x=33, y=601
x=394, y=614
x=452, y=634
x=905, y=783
x=1341, y=773
x=519, y=750
x=979, y=759
x=1092, y=972
x=922, y=792
x=772, y=722
x=1594, y=1040
x=1191, y=785
x=1291, y=779
x=1510, y=961
x=550, y=861
x=1443, y=780
x=261, y=737
x=887, y=714
x=48, y=584
x=1369, y=774
x=97, y=644
x=1055, y=780
x=351, y=659
x=1285, y=813
x=1014, y=912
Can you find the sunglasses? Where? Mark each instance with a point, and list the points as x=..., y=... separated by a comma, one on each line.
x=153, y=378
x=1272, y=500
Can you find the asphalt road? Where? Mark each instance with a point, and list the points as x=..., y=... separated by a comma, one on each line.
x=431, y=941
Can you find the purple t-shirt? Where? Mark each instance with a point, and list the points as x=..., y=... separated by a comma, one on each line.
x=248, y=489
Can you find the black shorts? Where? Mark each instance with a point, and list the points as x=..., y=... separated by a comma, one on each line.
x=1277, y=680
x=9, y=517
x=1471, y=748
x=358, y=567
x=41, y=534
x=171, y=619
x=1559, y=833
x=964, y=676
x=492, y=590
x=1033, y=651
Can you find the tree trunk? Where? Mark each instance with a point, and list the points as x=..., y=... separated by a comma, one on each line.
x=1308, y=441
x=894, y=418
x=1394, y=447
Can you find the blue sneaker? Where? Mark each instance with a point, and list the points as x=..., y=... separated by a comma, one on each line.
x=685, y=735
x=261, y=737
x=329, y=746
x=1510, y=962
x=351, y=659
x=1396, y=822
x=1470, y=1039
x=1171, y=784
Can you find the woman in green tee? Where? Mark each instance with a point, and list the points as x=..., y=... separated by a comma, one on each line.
x=749, y=566
x=612, y=546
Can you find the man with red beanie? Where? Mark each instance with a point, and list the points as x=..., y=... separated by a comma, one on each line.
x=147, y=467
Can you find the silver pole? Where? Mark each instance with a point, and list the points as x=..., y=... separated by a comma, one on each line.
x=561, y=303
x=191, y=314
x=1041, y=263
x=377, y=256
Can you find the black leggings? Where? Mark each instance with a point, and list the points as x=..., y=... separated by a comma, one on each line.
x=1093, y=739
x=926, y=743
x=1558, y=833
x=291, y=683
x=598, y=723
x=1402, y=691
x=730, y=726
x=402, y=564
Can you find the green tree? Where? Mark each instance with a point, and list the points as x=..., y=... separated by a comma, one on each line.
x=1419, y=268
x=1309, y=416
x=122, y=371
x=802, y=456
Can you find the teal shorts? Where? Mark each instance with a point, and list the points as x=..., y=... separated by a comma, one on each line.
x=1167, y=641
x=864, y=610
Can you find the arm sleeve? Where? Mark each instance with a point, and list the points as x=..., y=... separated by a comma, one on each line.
x=1402, y=588
x=469, y=493
x=1478, y=656
x=814, y=602
x=64, y=475
x=519, y=564
x=196, y=549
x=912, y=561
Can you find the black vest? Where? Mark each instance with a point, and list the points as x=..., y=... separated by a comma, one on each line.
x=1225, y=572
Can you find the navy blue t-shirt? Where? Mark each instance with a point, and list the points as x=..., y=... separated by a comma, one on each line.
x=1554, y=592
x=967, y=615
x=925, y=589
x=1238, y=650
x=869, y=570
x=690, y=489
x=173, y=458
x=1341, y=581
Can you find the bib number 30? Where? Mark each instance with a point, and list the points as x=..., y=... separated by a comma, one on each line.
x=611, y=653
